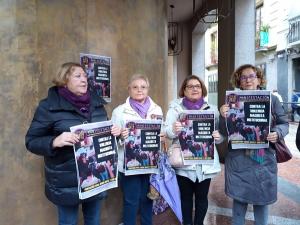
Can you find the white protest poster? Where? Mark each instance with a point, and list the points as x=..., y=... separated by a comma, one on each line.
x=196, y=141
x=98, y=70
x=142, y=147
x=248, y=119
x=96, y=158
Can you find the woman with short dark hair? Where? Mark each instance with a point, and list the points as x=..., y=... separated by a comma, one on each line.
x=193, y=181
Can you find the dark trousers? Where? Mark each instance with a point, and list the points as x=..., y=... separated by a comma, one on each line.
x=135, y=189
x=189, y=189
x=68, y=215
x=293, y=111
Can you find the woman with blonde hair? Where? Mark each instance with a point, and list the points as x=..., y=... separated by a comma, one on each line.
x=68, y=103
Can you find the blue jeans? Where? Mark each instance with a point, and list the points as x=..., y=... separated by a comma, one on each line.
x=135, y=189
x=239, y=211
x=68, y=215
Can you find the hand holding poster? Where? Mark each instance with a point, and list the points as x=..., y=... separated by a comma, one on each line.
x=142, y=147
x=248, y=120
x=196, y=139
x=95, y=156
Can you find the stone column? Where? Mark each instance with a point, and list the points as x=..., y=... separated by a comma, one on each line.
x=244, y=32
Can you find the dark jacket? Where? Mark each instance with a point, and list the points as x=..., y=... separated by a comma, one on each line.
x=53, y=116
x=248, y=181
x=298, y=137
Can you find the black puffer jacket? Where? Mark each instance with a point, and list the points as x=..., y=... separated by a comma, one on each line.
x=53, y=116
x=298, y=137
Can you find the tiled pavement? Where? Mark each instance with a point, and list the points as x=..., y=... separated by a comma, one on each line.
x=286, y=211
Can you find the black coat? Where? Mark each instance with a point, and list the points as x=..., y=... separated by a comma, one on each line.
x=53, y=116
x=298, y=137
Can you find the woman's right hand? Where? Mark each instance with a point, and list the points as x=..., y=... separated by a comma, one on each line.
x=65, y=139
x=124, y=133
x=224, y=110
x=177, y=127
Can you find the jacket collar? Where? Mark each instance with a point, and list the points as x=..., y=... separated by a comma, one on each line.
x=57, y=102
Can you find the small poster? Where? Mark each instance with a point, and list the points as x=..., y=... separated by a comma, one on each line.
x=96, y=158
x=248, y=119
x=142, y=147
x=98, y=69
x=196, y=141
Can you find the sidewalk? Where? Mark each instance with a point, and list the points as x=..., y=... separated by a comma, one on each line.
x=286, y=211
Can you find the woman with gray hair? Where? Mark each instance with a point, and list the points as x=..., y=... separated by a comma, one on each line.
x=138, y=106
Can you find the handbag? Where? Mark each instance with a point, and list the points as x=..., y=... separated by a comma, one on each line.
x=283, y=154
x=175, y=155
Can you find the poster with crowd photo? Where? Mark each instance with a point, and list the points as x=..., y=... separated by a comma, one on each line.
x=98, y=69
x=248, y=119
x=142, y=147
x=96, y=158
x=196, y=141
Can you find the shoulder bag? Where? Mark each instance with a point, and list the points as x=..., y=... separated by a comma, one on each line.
x=175, y=155
x=283, y=154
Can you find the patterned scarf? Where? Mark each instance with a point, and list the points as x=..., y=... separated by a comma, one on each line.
x=140, y=108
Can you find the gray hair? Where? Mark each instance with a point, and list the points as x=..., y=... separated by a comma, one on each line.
x=139, y=76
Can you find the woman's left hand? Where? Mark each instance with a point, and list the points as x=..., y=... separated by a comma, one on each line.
x=216, y=135
x=272, y=137
x=162, y=137
x=115, y=130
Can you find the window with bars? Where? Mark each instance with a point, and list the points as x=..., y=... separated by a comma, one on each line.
x=214, y=48
x=294, y=30
x=213, y=83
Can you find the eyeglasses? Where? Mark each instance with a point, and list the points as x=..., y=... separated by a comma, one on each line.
x=136, y=88
x=191, y=87
x=251, y=77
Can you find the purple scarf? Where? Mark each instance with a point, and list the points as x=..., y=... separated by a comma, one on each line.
x=140, y=108
x=80, y=102
x=190, y=105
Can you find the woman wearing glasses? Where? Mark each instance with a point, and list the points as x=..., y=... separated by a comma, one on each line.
x=193, y=181
x=68, y=103
x=138, y=106
x=251, y=175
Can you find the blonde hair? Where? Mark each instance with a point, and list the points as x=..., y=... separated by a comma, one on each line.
x=64, y=72
x=138, y=76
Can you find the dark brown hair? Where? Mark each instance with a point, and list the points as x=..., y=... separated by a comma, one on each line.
x=236, y=75
x=186, y=80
